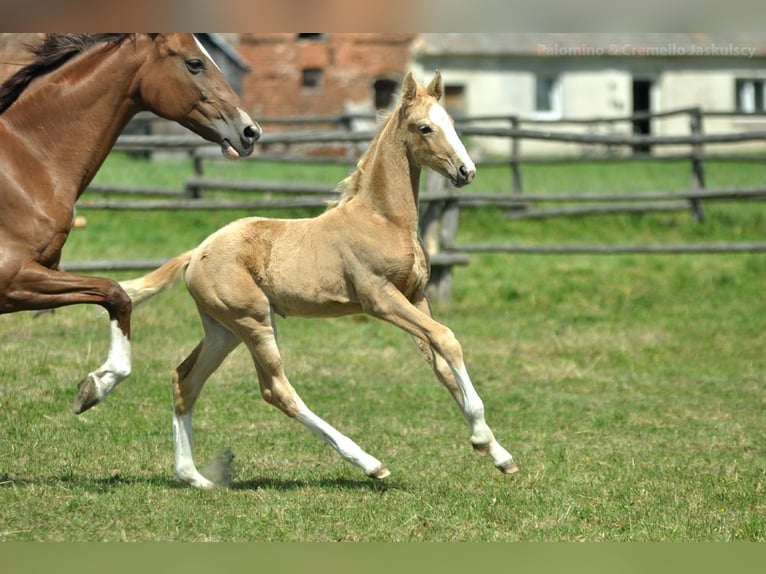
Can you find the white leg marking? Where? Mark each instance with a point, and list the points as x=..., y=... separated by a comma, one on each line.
x=344, y=446
x=473, y=410
x=117, y=365
x=183, y=446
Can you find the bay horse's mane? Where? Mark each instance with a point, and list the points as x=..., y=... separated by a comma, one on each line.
x=51, y=53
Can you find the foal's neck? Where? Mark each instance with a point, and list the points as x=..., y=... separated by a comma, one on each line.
x=389, y=177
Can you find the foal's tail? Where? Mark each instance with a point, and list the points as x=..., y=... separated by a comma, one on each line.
x=154, y=282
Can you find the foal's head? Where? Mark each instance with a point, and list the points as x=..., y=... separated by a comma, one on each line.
x=181, y=82
x=431, y=136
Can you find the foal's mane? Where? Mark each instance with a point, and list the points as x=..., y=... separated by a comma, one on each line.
x=51, y=53
x=349, y=187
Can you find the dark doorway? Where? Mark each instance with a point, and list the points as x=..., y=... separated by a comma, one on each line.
x=642, y=104
x=384, y=93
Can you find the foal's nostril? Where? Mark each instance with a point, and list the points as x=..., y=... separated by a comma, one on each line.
x=463, y=171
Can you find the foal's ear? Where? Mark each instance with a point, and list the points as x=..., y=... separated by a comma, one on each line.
x=409, y=88
x=435, y=88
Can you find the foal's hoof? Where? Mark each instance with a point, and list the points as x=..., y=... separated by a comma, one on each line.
x=508, y=467
x=87, y=395
x=379, y=472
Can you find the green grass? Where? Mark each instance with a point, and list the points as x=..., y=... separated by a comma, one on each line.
x=630, y=388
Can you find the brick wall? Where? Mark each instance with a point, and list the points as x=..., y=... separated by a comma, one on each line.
x=349, y=64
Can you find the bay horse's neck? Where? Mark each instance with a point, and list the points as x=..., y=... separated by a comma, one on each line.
x=70, y=118
x=389, y=177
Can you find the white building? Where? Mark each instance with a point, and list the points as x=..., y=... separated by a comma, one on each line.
x=555, y=76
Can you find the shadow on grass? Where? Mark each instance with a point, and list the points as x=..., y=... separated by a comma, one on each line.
x=95, y=484
x=335, y=483
x=115, y=481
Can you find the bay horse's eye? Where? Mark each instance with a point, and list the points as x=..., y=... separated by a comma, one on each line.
x=425, y=130
x=195, y=65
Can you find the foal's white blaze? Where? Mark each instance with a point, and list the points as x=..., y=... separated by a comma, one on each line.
x=204, y=51
x=438, y=115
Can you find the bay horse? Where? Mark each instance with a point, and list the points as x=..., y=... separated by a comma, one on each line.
x=60, y=115
x=361, y=255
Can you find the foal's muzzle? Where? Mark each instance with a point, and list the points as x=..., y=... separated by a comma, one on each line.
x=464, y=175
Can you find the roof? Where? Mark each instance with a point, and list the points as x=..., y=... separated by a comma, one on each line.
x=593, y=44
x=226, y=49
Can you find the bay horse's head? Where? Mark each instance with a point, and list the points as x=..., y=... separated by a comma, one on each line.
x=181, y=82
x=431, y=136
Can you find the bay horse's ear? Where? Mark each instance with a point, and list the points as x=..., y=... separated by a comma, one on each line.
x=161, y=43
x=409, y=89
x=435, y=88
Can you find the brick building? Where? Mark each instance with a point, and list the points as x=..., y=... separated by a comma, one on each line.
x=314, y=74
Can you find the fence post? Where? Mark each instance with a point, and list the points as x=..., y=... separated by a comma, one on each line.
x=516, y=185
x=698, y=166
x=438, y=228
x=195, y=191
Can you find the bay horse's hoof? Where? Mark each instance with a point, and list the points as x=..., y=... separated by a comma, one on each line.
x=508, y=467
x=379, y=472
x=87, y=395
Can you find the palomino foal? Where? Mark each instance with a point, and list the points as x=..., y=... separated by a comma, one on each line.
x=361, y=255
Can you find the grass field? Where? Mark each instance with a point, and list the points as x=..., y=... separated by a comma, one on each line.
x=631, y=390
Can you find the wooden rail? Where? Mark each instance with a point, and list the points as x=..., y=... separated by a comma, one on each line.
x=441, y=204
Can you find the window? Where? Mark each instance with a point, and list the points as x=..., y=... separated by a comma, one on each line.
x=384, y=93
x=547, y=97
x=750, y=95
x=311, y=78
x=454, y=99
x=311, y=36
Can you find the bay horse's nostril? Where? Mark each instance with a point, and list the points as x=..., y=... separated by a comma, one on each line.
x=252, y=133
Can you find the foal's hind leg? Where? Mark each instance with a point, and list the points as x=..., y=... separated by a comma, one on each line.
x=444, y=352
x=188, y=380
x=277, y=391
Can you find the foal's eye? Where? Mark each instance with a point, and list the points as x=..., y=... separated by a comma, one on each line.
x=425, y=130
x=195, y=65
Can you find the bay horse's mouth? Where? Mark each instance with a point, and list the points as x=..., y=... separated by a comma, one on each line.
x=228, y=150
x=249, y=136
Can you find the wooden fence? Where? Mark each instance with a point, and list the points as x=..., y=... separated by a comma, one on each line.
x=440, y=203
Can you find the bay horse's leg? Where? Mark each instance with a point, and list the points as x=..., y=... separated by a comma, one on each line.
x=188, y=380
x=260, y=338
x=36, y=287
x=394, y=308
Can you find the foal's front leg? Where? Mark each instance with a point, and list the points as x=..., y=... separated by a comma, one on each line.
x=442, y=349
